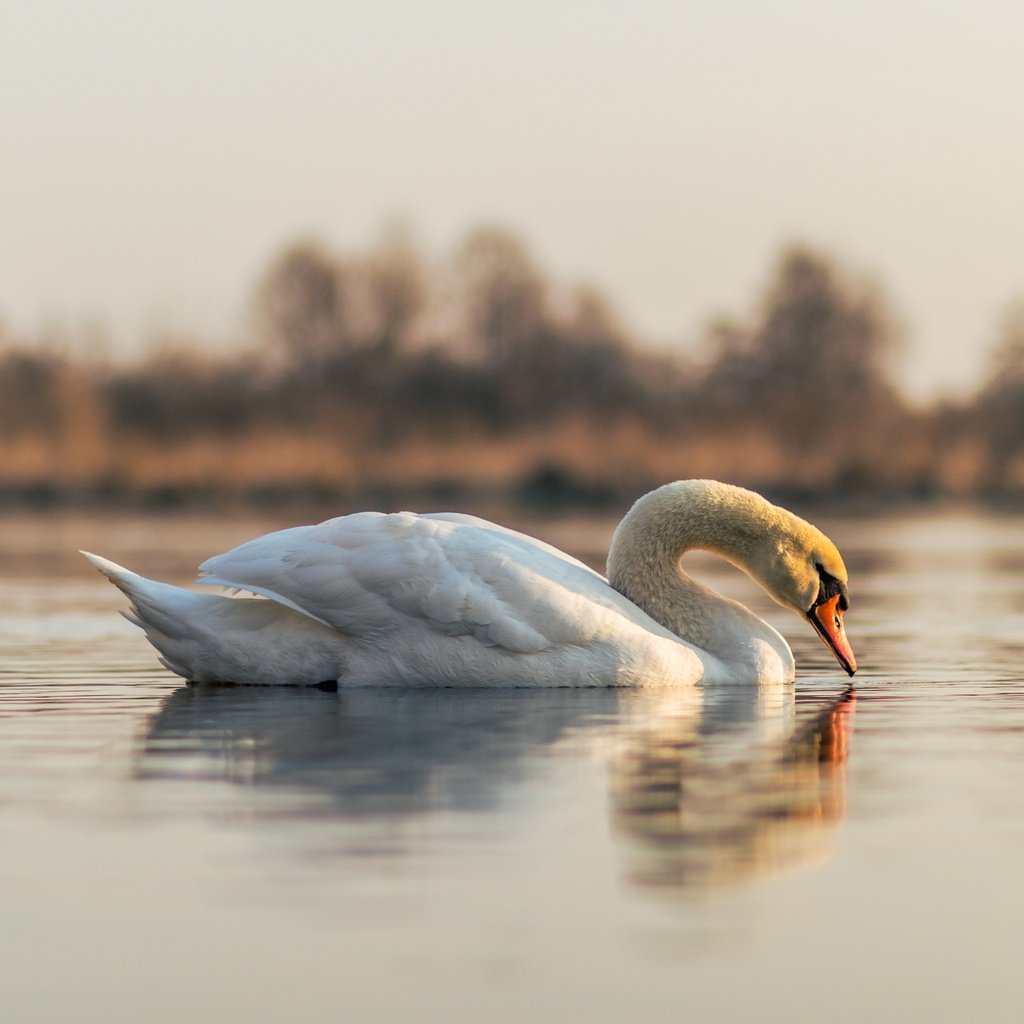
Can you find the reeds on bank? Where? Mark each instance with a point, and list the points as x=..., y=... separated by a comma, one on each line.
x=377, y=378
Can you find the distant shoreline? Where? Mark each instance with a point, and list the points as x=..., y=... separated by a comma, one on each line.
x=545, y=493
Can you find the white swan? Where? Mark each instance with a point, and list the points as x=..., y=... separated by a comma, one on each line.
x=452, y=600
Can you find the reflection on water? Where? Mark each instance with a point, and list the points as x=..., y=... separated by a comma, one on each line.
x=701, y=790
x=697, y=817
x=380, y=752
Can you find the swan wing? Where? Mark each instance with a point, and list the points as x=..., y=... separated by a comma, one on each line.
x=373, y=573
x=522, y=539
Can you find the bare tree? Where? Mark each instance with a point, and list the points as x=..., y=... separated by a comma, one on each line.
x=812, y=369
x=396, y=289
x=504, y=294
x=302, y=303
x=998, y=411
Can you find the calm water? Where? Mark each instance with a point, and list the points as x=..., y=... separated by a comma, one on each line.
x=173, y=853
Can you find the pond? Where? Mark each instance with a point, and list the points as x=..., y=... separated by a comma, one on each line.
x=784, y=854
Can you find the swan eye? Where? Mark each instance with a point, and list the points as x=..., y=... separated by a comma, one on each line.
x=829, y=586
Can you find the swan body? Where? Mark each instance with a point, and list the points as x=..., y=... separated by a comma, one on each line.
x=451, y=600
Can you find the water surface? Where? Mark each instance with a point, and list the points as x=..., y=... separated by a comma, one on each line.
x=788, y=854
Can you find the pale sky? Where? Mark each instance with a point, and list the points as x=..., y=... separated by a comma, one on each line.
x=156, y=157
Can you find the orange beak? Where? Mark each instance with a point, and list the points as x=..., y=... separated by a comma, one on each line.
x=827, y=619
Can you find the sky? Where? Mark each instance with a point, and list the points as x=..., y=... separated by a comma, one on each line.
x=155, y=157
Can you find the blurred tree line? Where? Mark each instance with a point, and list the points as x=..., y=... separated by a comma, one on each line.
x=374, y=376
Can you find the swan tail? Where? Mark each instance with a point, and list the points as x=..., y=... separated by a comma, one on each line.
x=215, y=638
x=154, y=606
x=163, y=612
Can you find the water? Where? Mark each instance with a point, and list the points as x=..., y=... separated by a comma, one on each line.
x=234, y=854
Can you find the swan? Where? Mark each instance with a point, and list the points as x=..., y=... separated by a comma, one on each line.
x=446, y=599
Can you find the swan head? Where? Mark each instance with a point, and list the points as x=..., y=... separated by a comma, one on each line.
x=791, y=559
x=807, y=574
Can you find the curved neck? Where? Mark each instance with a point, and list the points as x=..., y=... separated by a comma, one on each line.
x=649, y=544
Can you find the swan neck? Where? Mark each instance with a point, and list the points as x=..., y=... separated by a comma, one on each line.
x=644, y=561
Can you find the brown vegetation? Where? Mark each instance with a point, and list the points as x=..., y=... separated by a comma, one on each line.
x=373, y=377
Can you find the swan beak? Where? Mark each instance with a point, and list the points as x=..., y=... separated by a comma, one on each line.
x=827, y=619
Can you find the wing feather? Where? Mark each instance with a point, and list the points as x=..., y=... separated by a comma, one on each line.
x=373, y=573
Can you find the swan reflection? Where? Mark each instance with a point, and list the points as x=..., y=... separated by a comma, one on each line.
x=704, y=787
x=365, y=752
x=697, y=813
